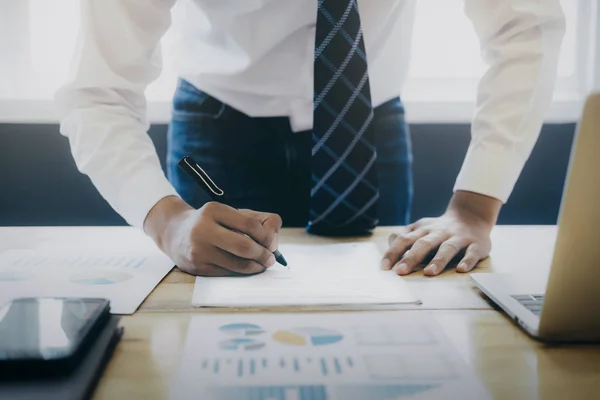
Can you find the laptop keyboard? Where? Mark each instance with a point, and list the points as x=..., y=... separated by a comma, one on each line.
x=532, y=302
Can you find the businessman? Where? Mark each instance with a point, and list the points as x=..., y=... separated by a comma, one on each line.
x=293, y=106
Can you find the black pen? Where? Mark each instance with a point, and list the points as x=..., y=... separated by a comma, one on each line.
x=217, y=194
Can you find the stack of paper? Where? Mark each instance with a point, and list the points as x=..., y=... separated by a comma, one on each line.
x=319, y=275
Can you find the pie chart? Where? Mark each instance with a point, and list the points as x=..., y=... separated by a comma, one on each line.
x=242, y=329
x=308, y=336
x=95, y=278
x=241, y=344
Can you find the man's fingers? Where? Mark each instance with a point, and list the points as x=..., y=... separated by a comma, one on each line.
x=472, y=256
x=403, y=231
x=270, y=220
x=242, y=246
x=447, y=251
x=272, y=224
x=236, y=264
x=399, y=246
x=207, y=270
x=420, y=249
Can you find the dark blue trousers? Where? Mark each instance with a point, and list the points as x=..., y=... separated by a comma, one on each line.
x=262, y=165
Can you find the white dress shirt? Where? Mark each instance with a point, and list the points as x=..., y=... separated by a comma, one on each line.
x=257, y=56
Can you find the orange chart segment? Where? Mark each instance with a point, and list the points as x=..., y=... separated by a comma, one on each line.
x=287, y=337
x=307, y=337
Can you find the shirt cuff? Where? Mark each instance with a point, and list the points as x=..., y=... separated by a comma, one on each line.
x=489, y=173
x=140, y=194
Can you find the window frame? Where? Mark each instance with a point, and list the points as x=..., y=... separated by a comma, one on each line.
x=427, y=100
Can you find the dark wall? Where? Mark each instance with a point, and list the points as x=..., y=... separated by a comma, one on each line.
x=40, y=185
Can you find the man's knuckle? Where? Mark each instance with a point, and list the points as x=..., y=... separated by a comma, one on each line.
x=209, y=208
x=252, y=225
x=409, y=257
x=424, y=242
x=270, y=241
x=263, y=237
x=452, y=246
x=243, y=265
x=467, y=238
x=244, y=248
x=277, y=221
x=439, y=260
x=401, y=240
x=265, y=255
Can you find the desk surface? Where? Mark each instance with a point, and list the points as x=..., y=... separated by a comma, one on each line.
x=511, y=365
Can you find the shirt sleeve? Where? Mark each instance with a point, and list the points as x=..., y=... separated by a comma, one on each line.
x=520, y=41
x=102, y=107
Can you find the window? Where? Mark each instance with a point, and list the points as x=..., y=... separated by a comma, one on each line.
x=37, y=39
x=445, y=78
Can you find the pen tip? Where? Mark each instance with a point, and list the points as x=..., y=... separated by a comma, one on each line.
x=280, y=258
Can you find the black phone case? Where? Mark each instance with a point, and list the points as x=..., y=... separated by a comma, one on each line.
x=77, y=385
x=36, y=368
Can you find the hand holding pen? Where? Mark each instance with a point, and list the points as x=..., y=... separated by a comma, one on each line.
x=215, y=240
x=258, y=226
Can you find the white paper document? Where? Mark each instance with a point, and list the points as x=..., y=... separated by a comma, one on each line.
x=125, y=278
x=346, y=274
x=383, y=355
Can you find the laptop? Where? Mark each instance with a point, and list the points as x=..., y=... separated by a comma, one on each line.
x=566, y=307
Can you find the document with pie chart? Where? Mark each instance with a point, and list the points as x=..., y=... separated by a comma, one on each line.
x=124, y=278
x=387, y=355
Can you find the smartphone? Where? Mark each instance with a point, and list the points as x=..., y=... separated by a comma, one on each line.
x=48, y=336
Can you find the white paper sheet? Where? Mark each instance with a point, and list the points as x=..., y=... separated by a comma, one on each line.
x=123, y=277
x=351, y=356
x=346, y=274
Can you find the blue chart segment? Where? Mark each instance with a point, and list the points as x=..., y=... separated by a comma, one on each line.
x=241, y=344
x=317, y=392
x=100, y=277
x=308, y=337
x=242, y=329
x=14, y=276
x=245, y=367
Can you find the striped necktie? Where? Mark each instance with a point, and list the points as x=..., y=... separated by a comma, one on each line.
x=344, y=190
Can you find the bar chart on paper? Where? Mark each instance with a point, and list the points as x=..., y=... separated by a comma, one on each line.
x=268, y=367
x=318, y=392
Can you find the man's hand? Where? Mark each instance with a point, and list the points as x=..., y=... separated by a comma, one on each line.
x=216, y=240
x=464, y=230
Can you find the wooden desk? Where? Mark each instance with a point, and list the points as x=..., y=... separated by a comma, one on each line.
x=511, y=365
